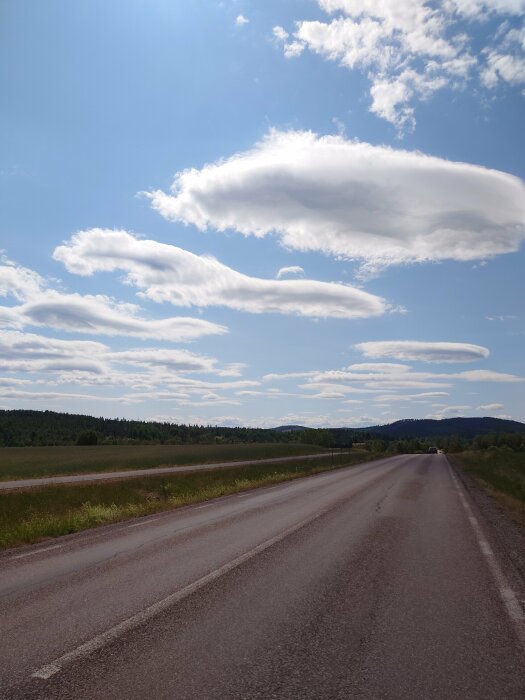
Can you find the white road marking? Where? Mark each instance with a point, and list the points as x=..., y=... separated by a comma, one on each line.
x=151, y=611
x=144, y=522
x=206, y=505
x=509, y=598
x=38, y=551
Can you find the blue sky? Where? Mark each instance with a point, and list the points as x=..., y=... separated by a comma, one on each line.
x=241, y=212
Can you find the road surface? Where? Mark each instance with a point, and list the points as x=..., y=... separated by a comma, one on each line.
x=153, y=471
x=377, y=581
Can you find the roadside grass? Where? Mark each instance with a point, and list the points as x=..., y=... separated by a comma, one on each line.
x=26, y=462
x=33, y=515
x=502, y=472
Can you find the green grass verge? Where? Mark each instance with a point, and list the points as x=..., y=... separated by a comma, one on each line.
x=33, y=515
x=26, y=462
x=503, y=472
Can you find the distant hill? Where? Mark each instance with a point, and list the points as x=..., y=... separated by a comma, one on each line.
x=289, y=428
x=465, y=428
x=423, y=428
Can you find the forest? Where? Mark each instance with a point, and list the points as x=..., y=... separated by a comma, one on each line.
x=27, y=428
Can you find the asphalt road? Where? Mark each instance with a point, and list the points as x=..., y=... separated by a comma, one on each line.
x=377, y=581
x=153, y=471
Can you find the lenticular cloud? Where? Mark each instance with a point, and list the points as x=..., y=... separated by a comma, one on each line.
x=423, y=351
x=167, y=273
x=353, y=200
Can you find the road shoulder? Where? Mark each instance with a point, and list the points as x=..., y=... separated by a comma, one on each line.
x=506, y=536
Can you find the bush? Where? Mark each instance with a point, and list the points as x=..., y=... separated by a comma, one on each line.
x=88, y=437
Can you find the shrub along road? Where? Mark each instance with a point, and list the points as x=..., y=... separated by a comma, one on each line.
x=379, y=581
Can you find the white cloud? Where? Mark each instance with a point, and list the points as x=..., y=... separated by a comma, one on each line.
x=190, y=384
x=173, y=360
x=27, y=352
x=409, y=49
x=328, y=395
x=166, y=273
x=18, y=395
x=328, y=194
x=485, y=375
x=423, y=351
x=85, y=363
x=101, y=315
x=447, y=411
x=378, y=378
x=425, y=395
x=292, y=270
x=503, y=67
x=479, y=9
x=379, y=367
x=490, y=407
x=11, y=381
x=18, y=282
x=280, y=33
x=293, y=49
x=91, y=314
x=505, y=61
x=241, y=20
x=272, y=376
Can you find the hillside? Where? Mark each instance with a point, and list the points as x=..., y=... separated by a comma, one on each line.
x=424, y=428
x=466, y=428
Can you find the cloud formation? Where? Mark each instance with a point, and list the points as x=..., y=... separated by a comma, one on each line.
x=409, y=49
x=28, y=352
x=91, y=314
x=173, y=360
x=347, y=199
x=487, y=375
x=423, y=351
x=167, y=273
x=147, y=374
x=381, y=377
x=292, y=270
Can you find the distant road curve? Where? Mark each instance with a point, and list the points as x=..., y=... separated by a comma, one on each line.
x=155, y=471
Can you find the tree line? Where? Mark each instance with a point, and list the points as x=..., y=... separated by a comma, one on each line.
x=27, y=428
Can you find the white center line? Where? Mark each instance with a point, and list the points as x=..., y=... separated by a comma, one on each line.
x=38, y=551
x=146, y=614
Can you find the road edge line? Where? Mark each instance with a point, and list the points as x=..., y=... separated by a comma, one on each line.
x=508, y=596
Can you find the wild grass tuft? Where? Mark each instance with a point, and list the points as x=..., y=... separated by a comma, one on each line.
x=503, y=472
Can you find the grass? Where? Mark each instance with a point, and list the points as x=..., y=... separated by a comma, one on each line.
x=36, y=514
x=503, y=473
x=26, y=462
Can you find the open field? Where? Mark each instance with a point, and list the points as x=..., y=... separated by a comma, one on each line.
x=503, y=473
x=26, y=462
x=29, y=516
